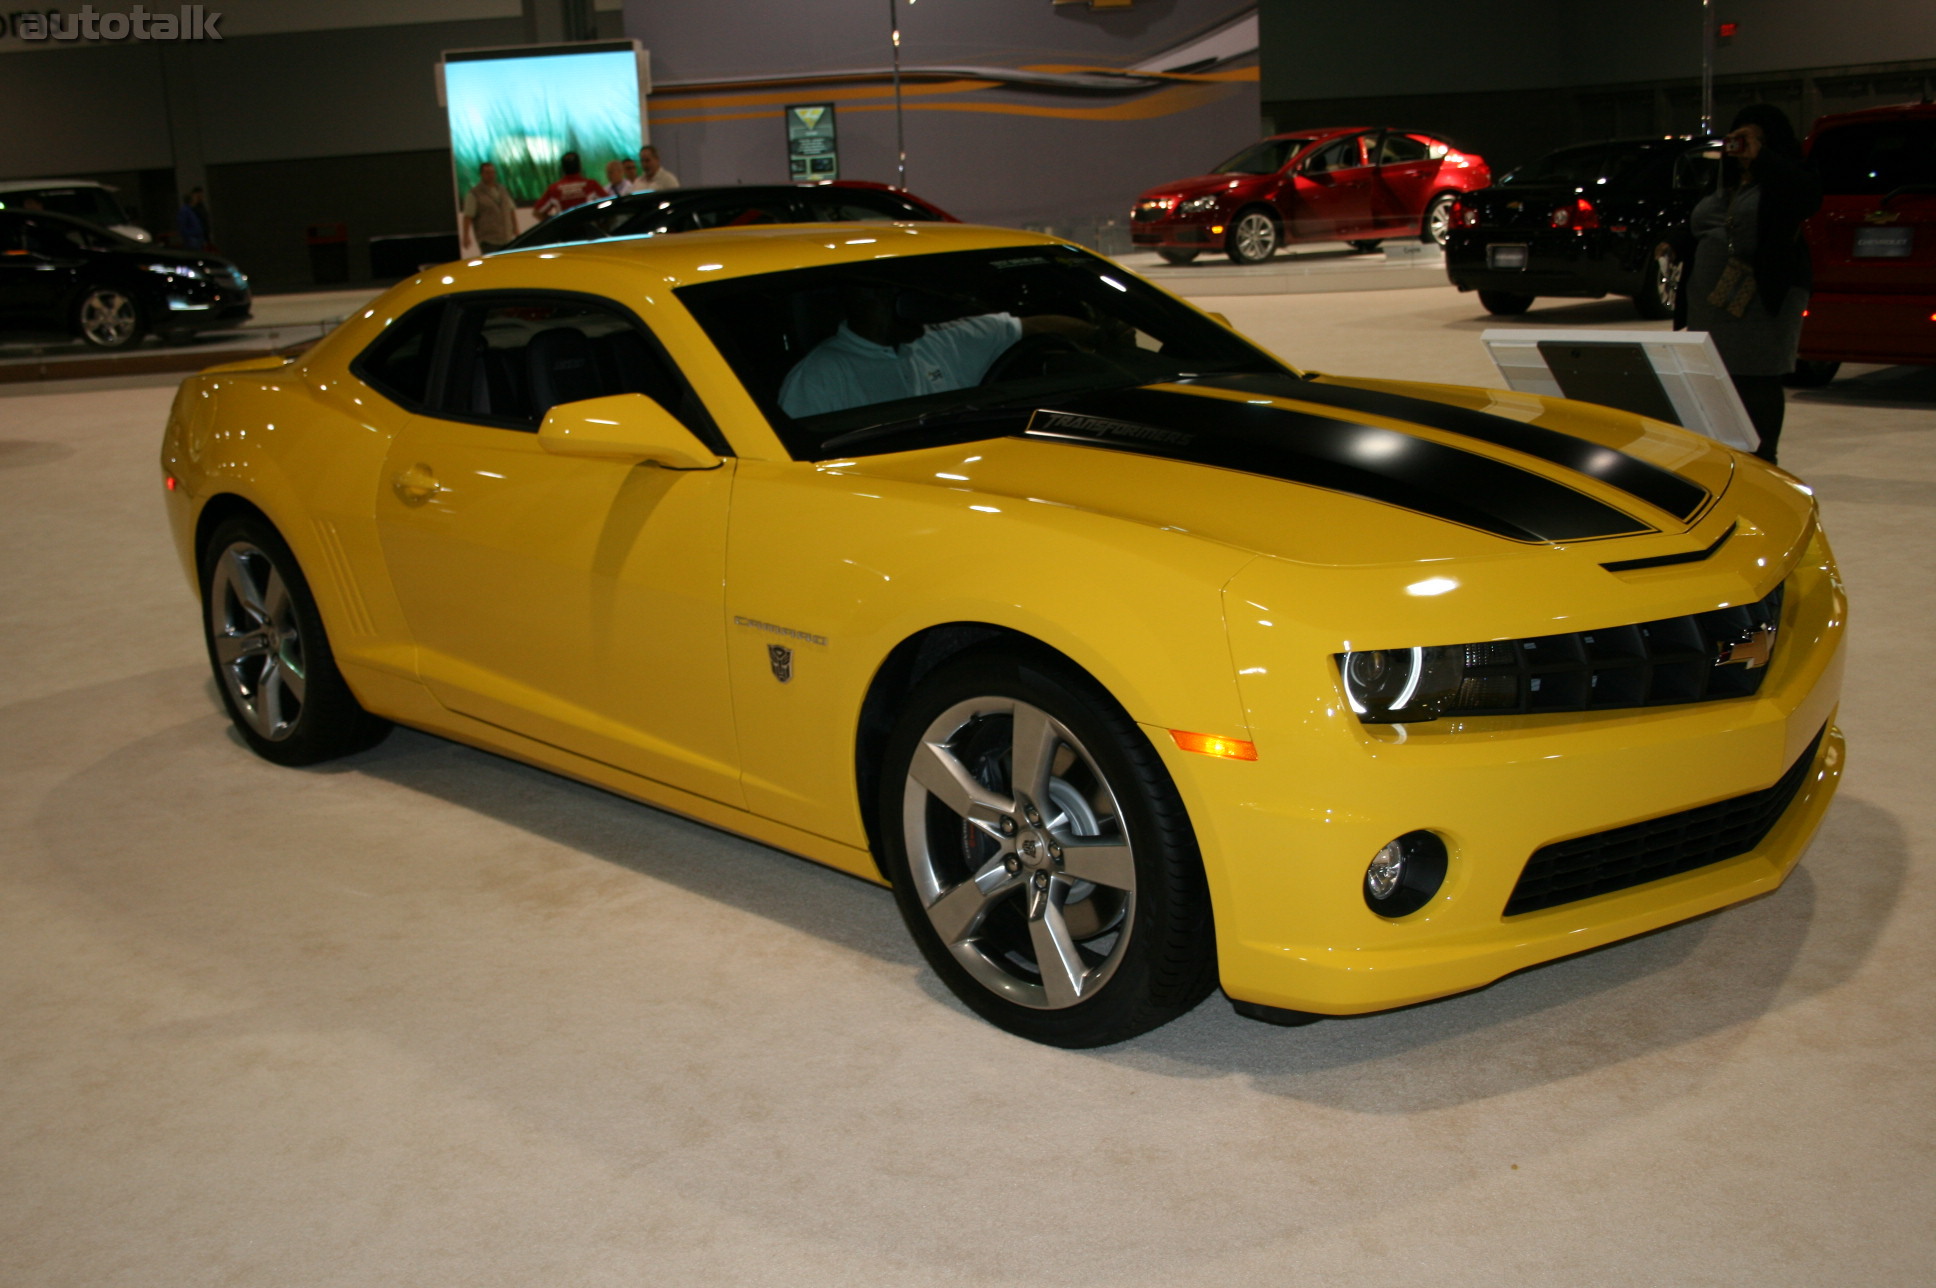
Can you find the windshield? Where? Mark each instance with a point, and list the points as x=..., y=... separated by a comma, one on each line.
x=96, y=205
x=1571, y=167
x=1267, y=157
x=1876, y=156
x=881, y=354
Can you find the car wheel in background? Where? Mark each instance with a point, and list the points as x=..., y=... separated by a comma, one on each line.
x=1810, y=374
x=1252, y=238
x=1660, y=283
x=1366, y=247
x=272, y=660
x=1505, y=303
x=1040, y=854
x=108, y=318
x=1177, y=256
x=1437, y=224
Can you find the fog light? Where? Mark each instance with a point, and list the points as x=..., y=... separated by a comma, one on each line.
x=1404, y=875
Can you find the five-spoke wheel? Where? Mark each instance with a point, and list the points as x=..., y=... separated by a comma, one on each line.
x=109, y=318
x=1041, y=857
x=1253, y=238
x=272, y=660
x=1437, y=225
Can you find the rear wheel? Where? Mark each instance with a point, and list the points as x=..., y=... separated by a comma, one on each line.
x=1436, y=227
x=1660, y=284
x=1177, y=256
x=1505, y=303
x=1811, y=374
x=272, y=660
x=1252, y=238
x=1040, y=855
x=108, y=318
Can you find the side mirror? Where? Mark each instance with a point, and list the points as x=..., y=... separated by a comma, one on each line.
x=1220, y=318
x=623, y=427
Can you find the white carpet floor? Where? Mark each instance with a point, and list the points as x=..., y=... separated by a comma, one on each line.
x=432, y=1018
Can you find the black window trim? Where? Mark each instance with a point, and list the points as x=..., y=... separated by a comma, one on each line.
x=360, y=365
x=460, y=306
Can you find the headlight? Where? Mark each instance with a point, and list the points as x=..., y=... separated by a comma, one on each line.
x=1391, y=684
x=1197, y=205
x=187, y=271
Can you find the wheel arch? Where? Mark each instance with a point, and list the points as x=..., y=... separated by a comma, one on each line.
x=216, y=511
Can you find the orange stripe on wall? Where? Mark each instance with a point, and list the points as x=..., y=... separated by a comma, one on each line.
x=1168, y=102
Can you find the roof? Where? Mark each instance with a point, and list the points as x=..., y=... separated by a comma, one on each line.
x=25, y=185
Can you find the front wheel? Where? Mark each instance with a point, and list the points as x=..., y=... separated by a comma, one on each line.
x=272, y=660
x=1436, y=227
x=1504, y=303
x=1177, y=256
x=1252, y=239
x=1660, y=284
x=1040, y=855
x=108, y=318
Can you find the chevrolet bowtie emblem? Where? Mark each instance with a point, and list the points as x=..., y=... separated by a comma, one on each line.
x=1882, y=216
x=781, y=658
x=1753, y=652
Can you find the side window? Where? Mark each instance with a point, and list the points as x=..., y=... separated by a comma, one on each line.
x=731, y=212
x=1695, y=171
x=398, y=363
x=1403, y=149
x=517, y=357
x=862, y=208
x=1339, y=154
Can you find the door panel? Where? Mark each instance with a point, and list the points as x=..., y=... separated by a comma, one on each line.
x=1330, y=195
x=577, y=602
x=1406, y=176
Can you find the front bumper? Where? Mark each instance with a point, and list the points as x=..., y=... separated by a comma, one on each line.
x=1870, y=328
x=1287, y=837
x=1177, y=234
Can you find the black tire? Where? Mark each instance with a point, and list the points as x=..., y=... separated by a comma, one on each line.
x=1505, y=303
x=1810, y=373
x=1253, y=237
x=1366, y=247
x=1138, y=937
x=271, y=657
x=1177, y=256
x=1436, y=227
x=1660, y=281
x=108, y=317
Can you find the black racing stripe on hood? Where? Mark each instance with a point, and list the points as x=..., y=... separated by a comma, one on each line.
x=1379, y=464
x=1656, y=486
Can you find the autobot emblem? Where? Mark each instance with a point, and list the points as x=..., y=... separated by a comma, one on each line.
x=1752, y=653
x=781, y=658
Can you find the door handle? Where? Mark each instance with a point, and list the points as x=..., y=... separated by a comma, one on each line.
x=415, y=485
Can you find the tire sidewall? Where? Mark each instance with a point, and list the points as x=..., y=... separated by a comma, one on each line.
x=331, y=723
x=1172, y=900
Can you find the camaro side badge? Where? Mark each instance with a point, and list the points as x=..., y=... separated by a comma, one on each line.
x=1753, y=652
x=780, y=656
x=782, y=659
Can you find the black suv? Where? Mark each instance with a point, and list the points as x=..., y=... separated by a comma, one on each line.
x=60, y=274
x=1583, y=222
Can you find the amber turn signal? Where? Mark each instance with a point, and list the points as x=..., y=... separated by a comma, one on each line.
x=1209, y=744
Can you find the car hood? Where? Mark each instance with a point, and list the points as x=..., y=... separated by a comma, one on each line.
x=1336, y=472
x=1236, y=185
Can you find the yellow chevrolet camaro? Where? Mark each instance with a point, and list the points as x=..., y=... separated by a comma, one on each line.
x=962, y=560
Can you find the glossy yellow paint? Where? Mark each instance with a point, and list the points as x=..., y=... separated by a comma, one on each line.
x=611, y=620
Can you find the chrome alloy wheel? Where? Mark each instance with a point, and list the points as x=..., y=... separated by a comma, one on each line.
x=257, y=641
x=107, y=318
x=1438, y=220
x=1667, y=278
x=1255, y=237
x=1018, y=853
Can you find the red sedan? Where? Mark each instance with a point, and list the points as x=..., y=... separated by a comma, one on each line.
x=1343, y=184
x=1873, y=241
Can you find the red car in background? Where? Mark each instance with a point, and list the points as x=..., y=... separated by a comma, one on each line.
x=1873, y=241
x=1355, y=184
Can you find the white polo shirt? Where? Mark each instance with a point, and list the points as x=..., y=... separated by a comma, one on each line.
x=845, y=370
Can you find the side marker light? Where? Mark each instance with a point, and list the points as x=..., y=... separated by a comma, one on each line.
x=1209, y=744
x=169, y=482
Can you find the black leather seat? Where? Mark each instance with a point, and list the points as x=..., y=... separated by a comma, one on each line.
x=560, y=367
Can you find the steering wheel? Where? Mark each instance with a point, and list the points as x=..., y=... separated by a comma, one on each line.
x=1029, y=356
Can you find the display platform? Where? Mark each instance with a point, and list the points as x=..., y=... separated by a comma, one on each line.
x=1320, y=266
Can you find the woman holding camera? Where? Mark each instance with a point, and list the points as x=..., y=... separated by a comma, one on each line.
x=1751, y=271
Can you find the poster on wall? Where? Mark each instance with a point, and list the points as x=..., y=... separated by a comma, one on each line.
x=813, y=154
x=537, y=130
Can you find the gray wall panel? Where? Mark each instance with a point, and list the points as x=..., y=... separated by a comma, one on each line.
x=82, y=110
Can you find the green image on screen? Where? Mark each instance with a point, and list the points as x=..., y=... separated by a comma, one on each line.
x=526, y=113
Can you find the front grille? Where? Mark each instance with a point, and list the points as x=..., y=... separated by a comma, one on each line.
x=1148, y=212
x=1660, y=847
x=1722, y=653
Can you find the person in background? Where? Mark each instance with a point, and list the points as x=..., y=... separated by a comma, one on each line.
x=1751, y=270
x=572, y=189
x=191, y=221
x=490, y=215
x=615, y=181
x=653, y=177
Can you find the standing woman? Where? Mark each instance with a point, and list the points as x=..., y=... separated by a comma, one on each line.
x=1751, y=268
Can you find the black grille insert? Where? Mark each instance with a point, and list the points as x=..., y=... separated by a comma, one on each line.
x=1624, y=857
